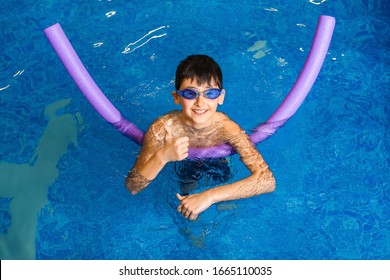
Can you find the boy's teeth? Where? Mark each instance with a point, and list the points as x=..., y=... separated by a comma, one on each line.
x=199, y=111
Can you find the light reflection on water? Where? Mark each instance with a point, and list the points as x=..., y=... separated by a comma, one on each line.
x=131, y=47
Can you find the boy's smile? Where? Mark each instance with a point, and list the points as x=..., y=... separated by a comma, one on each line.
x=198, y=112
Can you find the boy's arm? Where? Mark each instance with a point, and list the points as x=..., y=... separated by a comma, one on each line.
x=259, y=182
x=154, y=155
x=261, y=179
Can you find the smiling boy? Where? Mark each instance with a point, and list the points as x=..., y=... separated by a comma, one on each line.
x=199, y=91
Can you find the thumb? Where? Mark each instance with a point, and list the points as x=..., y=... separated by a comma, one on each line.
x=179, y=197
x=168, y=131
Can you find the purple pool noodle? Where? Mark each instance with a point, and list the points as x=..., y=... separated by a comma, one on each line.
x=309, y=71
x=304, y=82
x=288, y=107
x=131, y=130
x=80, y=75
x=86, y=84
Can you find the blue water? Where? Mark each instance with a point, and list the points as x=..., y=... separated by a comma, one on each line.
x=62, y=167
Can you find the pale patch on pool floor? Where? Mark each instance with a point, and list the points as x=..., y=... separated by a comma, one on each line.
x=28, y=184
x=260, y=47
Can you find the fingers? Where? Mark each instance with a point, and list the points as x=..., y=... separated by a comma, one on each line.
x=188, y=214
x=182, y=209
x=181, y=145
x=176, y=148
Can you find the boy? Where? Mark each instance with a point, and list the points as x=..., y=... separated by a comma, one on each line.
x=199, y=91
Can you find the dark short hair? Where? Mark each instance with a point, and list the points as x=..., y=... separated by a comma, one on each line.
x=202, y=68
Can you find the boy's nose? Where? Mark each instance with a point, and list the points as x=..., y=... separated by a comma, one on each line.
x=200, y=100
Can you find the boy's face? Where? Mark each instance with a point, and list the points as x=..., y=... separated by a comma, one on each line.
x=198, y=112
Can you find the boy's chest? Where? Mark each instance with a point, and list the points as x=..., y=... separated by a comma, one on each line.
x=205, y=137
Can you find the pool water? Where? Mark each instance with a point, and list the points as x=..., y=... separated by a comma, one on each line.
x=62, y=167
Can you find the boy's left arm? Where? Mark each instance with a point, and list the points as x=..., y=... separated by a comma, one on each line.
x=259, y=182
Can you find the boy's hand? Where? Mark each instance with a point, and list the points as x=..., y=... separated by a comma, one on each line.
x=194, y=204
x=174, y=148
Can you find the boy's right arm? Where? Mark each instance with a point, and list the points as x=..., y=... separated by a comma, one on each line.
x=153, y=157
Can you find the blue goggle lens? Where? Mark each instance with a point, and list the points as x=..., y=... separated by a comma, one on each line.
x=212, y=93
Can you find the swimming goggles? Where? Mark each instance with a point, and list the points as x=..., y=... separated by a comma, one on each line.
x=189, y=93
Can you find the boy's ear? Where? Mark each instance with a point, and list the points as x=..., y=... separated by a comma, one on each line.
x=176, y=97
x=221, y=98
